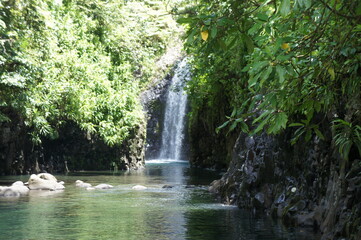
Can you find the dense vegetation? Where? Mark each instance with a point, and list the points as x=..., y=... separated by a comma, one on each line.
x=280, y=64
x=84, y=62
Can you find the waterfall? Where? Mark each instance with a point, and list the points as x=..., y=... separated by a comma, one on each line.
x=175, y=111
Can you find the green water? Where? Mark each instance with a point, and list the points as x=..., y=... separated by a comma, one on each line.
x=186, y=211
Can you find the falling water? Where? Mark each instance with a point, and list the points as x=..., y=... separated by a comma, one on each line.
x=173, y=127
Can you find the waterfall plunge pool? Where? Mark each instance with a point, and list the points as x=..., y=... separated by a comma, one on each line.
x=185, y=211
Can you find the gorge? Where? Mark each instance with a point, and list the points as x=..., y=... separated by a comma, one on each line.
x=271, y=122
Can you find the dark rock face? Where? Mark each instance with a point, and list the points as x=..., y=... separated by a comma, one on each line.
x=299, y=184
x=153, y=101
x=14, y=145
x=207, y=148
x=74, y=150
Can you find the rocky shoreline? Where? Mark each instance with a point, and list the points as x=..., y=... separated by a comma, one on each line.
x=299, y=184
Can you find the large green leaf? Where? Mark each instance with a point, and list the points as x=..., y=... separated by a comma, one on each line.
x=285, y=7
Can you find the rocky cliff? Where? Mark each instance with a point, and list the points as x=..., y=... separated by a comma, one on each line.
x=300, y=184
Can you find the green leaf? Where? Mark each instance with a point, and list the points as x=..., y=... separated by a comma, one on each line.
x=281, y=73
x=296, y=125
x=262, y=124
x=266, y=74
x=249, y=43
x=244, y=127
x=214, y=31
x=331, y=71
x=265, y=113
x=304, y=3
x=262, y=17
x=222, y=126
x=319, y=134
x=185, y=20
x=285, y=7
x=190, y=38
x=308, y=135
x=232, y=127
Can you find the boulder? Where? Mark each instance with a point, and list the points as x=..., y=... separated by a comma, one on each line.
x=47, y=176
x=8, y=192
x=44, y=181
x=139, y=187
x=17, y=189
x=103, y=186
x=80, y=183
x=20, y=187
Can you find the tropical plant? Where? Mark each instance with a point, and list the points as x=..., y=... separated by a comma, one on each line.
x=282, y=63
x=80, y=61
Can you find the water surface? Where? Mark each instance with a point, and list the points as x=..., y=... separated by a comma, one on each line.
x=185, y=211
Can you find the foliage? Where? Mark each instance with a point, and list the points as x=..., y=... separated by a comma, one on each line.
x=282, y=63
x=80, y=61
x=346, y=135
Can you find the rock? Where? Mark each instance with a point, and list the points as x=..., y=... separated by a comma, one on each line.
x=47, y=176
x=9, y=192
x=260, y=198
x=17, y=189
x=307, y=220
x=168, y=186
x=139, y=187
x=103, y=186
x=80, y=183
x=20, y=187
x=90, y=188
x=44, y=182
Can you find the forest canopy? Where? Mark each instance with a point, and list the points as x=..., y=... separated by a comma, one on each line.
x=282, y=64
x=80, y=61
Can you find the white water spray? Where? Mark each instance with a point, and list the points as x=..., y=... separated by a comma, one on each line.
x=175, y=111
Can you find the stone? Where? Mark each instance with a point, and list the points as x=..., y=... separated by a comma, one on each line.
x=139, y=187
x=260, y=198
x=306, y=220
x=103, y=186
x=80, y=183
x=8, y=192
x=20, y=187
x=17, y=189
x=44, y=182
x=47, y=176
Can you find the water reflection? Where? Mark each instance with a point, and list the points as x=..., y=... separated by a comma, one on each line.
x=185, y=211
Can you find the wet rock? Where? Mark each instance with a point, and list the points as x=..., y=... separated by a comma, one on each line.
x=139, y=187
x=80, y=183
x=17, y=189
x=260, y=198
x=306, y=220
x=168, y=186
x=103, y=186
x=44, y=182
x=8, y=192
x=299, y=184
x=20, y=187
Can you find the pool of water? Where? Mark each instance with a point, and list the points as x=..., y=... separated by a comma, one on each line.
x=185, y=211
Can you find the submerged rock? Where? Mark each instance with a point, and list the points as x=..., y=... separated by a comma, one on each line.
x=80, y=183
x=17, y=189
x=102, y=186
x=139, y=187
